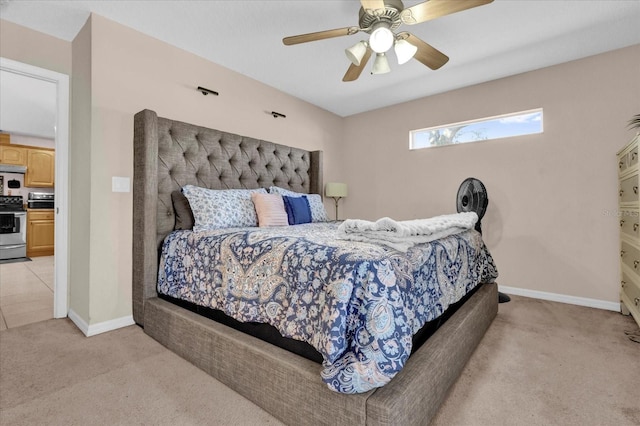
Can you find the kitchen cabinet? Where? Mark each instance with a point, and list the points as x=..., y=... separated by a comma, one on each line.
x=14, y=155
x=40, y=163
x=40, y=232
x=40, y=168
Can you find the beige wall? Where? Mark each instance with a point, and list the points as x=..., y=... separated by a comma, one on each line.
x=34, y=48
x=548, y=224
x=130, y=72
x=80, y=176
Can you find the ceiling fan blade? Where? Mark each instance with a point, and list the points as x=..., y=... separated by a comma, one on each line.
x=354, y=71
x=320, y=35
x=372, y=4
x=432, y=9
x=427, y=54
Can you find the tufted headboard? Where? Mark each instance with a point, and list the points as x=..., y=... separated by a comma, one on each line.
x=169, y=154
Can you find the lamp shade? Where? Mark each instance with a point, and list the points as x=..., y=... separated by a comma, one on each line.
x=381, y=39
x=380, y=65
x=404, y=51
x=356, y=52
x=335, y=190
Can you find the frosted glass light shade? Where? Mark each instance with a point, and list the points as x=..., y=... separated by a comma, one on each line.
x=335, y=190
x=404, y=51
x=356, y=52
x=380, y=65
x=381, y=39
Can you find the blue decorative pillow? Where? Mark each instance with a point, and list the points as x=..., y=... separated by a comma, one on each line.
x=298, y=210
x=318, y=213
x=226, y=208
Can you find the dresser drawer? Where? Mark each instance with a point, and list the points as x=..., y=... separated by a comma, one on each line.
x=623, y=163
x=632, y=157
x=630, y=223
x=630, y=256
x=627, y=159
x=631, y=290
x=628, y=192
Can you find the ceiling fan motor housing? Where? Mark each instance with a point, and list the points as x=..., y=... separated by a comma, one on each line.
x=390, y=16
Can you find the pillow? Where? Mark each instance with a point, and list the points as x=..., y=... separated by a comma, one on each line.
x=270, y=209
x=184, y=215
x=226, y=208
x=298, y=210
x=318, y=213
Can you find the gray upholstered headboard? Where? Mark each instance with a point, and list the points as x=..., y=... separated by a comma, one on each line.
x=169, y=154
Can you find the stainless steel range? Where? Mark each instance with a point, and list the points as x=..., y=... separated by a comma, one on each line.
x=13, y=227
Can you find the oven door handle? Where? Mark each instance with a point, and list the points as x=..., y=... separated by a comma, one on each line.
x=15, y=246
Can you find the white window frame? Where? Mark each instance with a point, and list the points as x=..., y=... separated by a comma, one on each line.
x=414, y=133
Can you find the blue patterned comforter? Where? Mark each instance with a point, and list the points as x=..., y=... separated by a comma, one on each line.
x=358, y=304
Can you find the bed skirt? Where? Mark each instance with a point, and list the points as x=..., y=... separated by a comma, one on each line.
x=289, y=386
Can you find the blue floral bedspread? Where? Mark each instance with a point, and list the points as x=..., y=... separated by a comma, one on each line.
x=358, y=304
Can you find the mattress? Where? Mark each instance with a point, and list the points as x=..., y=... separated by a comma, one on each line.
x=357, y=304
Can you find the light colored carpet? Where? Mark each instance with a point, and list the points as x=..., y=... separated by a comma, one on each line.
x=541, y=363
x=548, y=363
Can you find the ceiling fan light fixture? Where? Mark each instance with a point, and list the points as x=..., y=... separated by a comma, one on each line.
x=379, y=19
x=356, y=52
x=381, y=38
x=404, y=51
x=381, y=64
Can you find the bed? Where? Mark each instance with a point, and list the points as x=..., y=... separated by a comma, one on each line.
x=169, y=155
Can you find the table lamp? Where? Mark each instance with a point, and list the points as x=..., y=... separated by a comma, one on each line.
x=336, y=191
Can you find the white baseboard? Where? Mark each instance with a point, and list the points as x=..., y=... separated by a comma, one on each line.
x=101, y=327
x=562, y=298
x=79, y=322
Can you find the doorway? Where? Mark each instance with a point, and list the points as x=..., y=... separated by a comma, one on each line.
x=60, y=258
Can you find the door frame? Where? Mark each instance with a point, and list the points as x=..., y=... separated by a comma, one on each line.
x=61, y=245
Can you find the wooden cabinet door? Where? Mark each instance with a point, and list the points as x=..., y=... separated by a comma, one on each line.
x=40, y=168
x=13, y=155
x=40, y=233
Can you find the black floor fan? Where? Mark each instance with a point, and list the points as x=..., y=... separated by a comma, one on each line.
x=472, y=197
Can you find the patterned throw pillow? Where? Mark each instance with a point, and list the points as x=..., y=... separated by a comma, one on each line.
x=270, y=209
x=318, y=213
x=226, y=208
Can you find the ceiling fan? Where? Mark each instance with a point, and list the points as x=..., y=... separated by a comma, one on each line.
x=379, y=19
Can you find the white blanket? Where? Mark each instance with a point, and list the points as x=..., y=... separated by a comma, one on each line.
x=402, y=235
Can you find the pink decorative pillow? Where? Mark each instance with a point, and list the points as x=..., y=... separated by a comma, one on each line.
x=270, y=209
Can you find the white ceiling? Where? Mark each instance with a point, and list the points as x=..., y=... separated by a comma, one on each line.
x=503, y=38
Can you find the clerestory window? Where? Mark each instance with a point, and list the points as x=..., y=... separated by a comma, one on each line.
x=483, y=129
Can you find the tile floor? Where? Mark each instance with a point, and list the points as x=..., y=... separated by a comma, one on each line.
x=26, y=292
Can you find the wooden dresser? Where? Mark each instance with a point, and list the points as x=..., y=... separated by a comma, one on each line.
x=629, y=215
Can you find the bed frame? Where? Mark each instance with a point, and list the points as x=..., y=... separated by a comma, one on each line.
x=168, y=155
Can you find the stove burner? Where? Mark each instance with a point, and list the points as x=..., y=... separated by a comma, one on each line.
x=11, y=203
